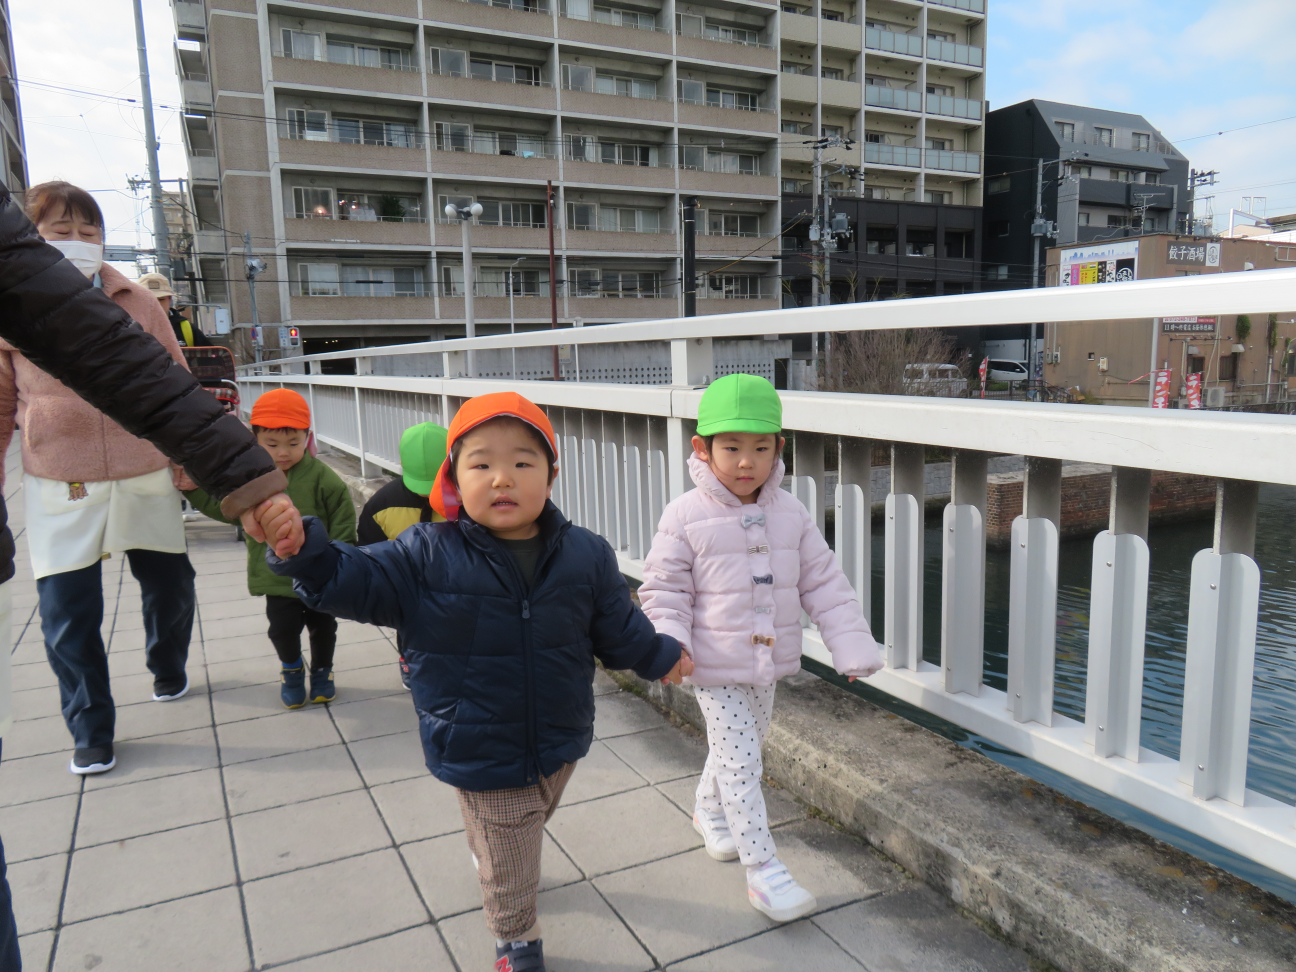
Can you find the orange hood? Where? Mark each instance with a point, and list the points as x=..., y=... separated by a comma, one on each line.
x=444, y=496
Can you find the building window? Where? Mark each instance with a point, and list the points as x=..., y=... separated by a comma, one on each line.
x=508, y=213
x=717, y=160
x=1103, y=136
x=587, y=148
x=1116, y=222
x=795, y=128
x=365, y=131
x=832, y=131
x=944, y=90
x=941, y=35
x=831, y=74
x=881, y=239
x=1000, y=227
x=312, y=203
x=999, y=272
x=1082, y=219
x=938, y=196
x=1081, y=171
x=319, y=279
x=1142, y=142
x=1121, y=175
x=959, y=245
x=312, y=126
x=361, y=55
x=1065, y=131
x=791, y=67
x=301, y=44
x=449, y=62
x=998, y=185
x=920, y=241
x=625, y=18
x=732, y=286
x=701, y=93
x=939, y=144
x=1228, y=367
x=732, y=224
x=616, y=283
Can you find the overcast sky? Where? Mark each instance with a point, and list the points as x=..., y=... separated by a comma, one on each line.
x=1193, y=67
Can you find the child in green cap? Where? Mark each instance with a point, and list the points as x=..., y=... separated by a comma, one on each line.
x=404, y=501
x=733, y=565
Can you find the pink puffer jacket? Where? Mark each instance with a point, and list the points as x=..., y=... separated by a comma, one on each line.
x=729, y=583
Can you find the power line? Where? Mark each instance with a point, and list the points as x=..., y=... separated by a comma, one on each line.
x=1243, y=128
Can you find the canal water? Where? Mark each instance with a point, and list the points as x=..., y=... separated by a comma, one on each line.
x=1271, y=766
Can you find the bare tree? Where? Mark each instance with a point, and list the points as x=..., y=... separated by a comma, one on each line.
x=873, y=362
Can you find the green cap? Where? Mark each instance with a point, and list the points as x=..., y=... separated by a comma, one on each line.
x=422, y=450
x=740, y=403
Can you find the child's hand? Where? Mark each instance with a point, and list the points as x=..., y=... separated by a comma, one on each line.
x=181, y=479
x=276, y=522
x=682, y=670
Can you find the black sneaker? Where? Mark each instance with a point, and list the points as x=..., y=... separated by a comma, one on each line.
x=170, y=689
x=95, y=759
x=405, y=674
x=520, y=957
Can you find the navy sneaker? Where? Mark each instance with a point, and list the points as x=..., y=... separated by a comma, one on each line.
x=92, y=760
x=405, y=674
x=321, y=685
x=170, y=689
x=520, y=957
x=293, y=691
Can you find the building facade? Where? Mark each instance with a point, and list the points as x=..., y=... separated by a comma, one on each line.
x=328, y=139
x=1240, y=361
x=13, y=149
x=1108, y=175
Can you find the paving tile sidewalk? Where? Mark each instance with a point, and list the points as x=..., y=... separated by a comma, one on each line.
x=235, y=835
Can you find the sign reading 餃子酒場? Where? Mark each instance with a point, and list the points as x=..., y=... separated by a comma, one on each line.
x=1192, y=253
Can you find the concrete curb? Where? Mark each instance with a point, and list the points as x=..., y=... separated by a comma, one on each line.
x=1063, y=881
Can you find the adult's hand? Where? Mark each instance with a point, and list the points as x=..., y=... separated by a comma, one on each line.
x=275, y=522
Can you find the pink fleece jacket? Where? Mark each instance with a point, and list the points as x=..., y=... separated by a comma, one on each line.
x=729, y=583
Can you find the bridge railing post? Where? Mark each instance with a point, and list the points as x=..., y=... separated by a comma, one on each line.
x=1032, y=594
x=904, y=556
x=963, y=574
x=692, y=366
x=852, y=525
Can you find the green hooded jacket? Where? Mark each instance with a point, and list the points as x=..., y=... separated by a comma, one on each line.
x=316, y=490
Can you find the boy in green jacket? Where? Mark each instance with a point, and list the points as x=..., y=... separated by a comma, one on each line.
x=281, y=422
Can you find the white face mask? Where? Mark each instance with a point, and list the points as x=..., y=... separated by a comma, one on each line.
x=86, y=257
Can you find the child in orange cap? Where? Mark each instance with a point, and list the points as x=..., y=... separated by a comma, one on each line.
x=502, y=611
x=281, y=421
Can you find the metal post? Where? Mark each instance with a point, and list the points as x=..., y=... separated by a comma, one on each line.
x=512, y=320
x=816, y=231
x=251, y=272
x=1152, y=363
x=470, y=321
x=688, y=282
x=161, y=245
x=553, y=279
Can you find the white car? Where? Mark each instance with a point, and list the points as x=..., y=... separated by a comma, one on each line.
x=1001, y=369
x=937, y=380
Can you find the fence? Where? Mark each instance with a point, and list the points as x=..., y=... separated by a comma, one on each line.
x=623, y=450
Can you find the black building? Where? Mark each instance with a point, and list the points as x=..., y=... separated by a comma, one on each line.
x=1107, y=175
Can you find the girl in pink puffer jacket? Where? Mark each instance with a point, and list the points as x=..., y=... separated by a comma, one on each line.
x=732, y=566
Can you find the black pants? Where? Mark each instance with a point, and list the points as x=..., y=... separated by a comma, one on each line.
x=287, y=616
x=9, y=958
x=72, y=609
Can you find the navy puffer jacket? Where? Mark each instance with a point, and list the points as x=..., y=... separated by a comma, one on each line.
x=502, y=675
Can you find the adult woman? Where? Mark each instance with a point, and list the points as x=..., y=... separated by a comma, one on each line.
x=92, y=489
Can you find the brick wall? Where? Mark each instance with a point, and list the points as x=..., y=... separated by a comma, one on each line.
x=1086, y=497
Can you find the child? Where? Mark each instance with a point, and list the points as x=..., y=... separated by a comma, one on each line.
x=502, y=612
x=281, y=423
x=404, y=501
x=733, y=564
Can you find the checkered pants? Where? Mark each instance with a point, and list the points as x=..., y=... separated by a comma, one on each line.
x=505, y=829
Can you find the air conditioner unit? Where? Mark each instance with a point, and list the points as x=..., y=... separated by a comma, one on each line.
x=1215, y=397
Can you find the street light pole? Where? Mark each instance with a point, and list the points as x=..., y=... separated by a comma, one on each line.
x=253, y=267
x=512, y=325
x=465, y=215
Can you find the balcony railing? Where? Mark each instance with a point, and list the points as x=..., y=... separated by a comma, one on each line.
x=651, y=28
x=955, y=107
x=1127, y=143
x=384, y=65
x=952, y=161
x=881, y=154
x=526, y=6
x=368, y=217
x=892, y=98
x=885, y=40
x=534, y=83
x=619, y=94
x=1196, y=782
x=713, y=34
x=939, y=50
x=378, y=134
x=708, y=103
x=490, y=145
x=976, y=6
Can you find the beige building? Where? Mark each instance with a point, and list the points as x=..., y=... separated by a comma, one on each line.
x=1241, y=362
x=333, y=135
x=13, y=148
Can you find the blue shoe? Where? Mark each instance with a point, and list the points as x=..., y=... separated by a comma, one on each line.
x=520, y=957
x=321, y=685
x=293, y=691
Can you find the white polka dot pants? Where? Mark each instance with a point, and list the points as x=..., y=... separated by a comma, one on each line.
x=737, y=718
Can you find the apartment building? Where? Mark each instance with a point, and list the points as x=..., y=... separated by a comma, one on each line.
x=13, y=149
x=1108, y=175
x=904, y=81
x=333, y=136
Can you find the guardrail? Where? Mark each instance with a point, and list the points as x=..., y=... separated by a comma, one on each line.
x=623, y=451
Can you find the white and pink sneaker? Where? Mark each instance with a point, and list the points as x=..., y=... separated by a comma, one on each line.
x=773, y=891
x=715, y=834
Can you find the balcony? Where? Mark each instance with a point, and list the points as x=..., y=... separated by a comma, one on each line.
x=494, y=165
x=408, y=232
x=876, y=153
x=376, y=310
x=448, y=87
x=799, y=28
x=897, y=99
x=893, y=43
x=614, y=36
x=954, y=107
x=190, y=16
x=973, y=6
x=487, y=236
x=347, y=155
x=709, y=116
x=502, y=17
x=798, y=87
x=203, y=168
x=1102, y=192
x=324, y=73
x=209, y=241
x=704, y=48
x=727, y=183
x=608, y=174
x=947, y=161
x=734, y=305
x=607, y=241
x=196, y=91
x=939, y=50
x=616, y=106
x=841, y=94
x=717, y=245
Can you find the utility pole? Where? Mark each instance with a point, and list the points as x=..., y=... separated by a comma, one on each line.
x=253, y=267
x=161, y=249
x=689, y=274
x=1040, y=228
x=1195, y=180
x=553, y=279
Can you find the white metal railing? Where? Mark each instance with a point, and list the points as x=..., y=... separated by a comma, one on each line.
x=623, y=451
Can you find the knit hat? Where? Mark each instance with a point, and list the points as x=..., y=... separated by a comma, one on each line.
x=157, y=285
x=281, y=408
x=740, y=403
x=445, y=497
x=422, y=450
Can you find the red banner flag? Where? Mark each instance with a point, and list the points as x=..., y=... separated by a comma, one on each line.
x=1161, y=391
x=1194, y=388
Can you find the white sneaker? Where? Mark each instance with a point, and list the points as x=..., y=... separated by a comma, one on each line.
x=715, y=834
x=773, y=891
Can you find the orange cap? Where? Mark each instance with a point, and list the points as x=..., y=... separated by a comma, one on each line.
x=445, y=497
x=281, y=408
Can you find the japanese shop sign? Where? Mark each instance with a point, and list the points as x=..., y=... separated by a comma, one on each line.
x=1188, y=325
x=1101, y=263
x=1193, y=253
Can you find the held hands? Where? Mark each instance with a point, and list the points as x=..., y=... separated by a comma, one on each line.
x=180, y=479
x=682, y=670
x=277, y=523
